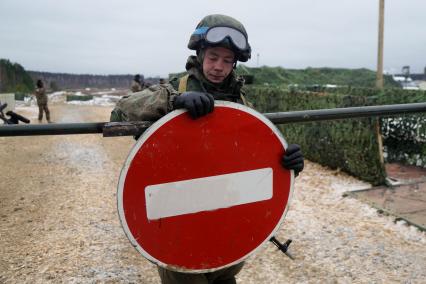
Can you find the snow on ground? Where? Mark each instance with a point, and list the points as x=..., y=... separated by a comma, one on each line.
x=57, y=97
x=105, y=100
x=100, y=98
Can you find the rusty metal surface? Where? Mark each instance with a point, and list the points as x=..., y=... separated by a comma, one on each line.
x=113, y=129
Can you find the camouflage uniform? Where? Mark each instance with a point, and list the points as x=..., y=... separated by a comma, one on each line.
x=41, y=97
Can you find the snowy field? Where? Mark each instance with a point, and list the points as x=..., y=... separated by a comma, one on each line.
x=100, y=98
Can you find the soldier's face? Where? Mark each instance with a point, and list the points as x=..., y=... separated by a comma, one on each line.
x=217, y=64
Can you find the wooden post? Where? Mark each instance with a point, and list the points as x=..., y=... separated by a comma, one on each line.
x=379, y=75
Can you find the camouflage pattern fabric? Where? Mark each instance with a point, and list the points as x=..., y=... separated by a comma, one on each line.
x=148, y=105
x=41, y=96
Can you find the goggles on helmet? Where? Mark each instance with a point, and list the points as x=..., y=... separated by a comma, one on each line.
x=218, y=34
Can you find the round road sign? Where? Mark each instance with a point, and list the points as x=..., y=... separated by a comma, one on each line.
x=200, y=195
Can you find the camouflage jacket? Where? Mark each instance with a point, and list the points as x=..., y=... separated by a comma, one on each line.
x=148, y=105
x=41, y=96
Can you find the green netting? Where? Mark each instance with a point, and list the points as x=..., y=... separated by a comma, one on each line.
x=350, y=144
x=404, y=136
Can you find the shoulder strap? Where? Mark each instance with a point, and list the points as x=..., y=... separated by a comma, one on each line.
x=245, y=102
x=183, y=82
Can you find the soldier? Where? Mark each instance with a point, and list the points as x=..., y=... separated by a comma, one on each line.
x=219, y=41
x=41, y=97
x=136, y=84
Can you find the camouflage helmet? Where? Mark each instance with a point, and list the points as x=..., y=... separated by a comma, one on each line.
x=241, y=48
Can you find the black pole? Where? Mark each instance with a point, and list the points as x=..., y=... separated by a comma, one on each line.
x=110, y=129
x=343, y=113
x=51, y=129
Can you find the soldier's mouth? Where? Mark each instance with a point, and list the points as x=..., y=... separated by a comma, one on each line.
x=216, y=77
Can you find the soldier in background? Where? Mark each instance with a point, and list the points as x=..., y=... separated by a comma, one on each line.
x=137, y=84
x=40, y=94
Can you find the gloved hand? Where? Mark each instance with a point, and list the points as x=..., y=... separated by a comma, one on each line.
x=293, y=159
x=197, y=103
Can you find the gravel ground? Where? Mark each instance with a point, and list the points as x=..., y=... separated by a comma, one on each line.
x=59, y=223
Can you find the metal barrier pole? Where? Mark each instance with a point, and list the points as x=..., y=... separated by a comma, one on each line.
x=343, y=113
x=111, y=129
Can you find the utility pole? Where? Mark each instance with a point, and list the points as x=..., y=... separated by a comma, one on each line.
x=379, y=75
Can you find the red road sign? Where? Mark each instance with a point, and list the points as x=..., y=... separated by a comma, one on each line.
x=200, y=195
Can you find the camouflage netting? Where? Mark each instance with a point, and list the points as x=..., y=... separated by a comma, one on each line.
x=351, y=144
x=405, y=136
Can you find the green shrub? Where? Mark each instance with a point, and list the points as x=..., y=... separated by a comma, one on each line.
x=79, y=98
x=20, y=96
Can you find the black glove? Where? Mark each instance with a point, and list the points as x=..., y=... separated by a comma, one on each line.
x=197, y=103
x=293, y=159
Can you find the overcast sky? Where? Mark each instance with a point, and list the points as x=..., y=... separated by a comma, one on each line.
x=150, y=37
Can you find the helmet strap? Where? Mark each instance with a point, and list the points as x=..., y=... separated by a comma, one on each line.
x=200, y=55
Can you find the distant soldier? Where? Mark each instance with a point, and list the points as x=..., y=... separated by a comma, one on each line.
x=163, y=81
x=41, y=97
x=137, y=84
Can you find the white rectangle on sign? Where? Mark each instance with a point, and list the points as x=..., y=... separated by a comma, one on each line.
x=208, y=193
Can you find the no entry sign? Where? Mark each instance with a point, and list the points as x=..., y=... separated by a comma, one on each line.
x=200, y=195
